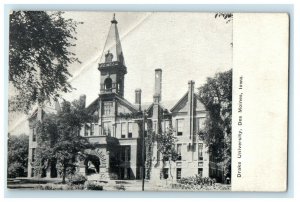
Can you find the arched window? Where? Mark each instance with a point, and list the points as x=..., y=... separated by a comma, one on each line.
x=108, y=83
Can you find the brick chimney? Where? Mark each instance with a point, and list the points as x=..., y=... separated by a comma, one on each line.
x=191, y=105
x=157, y=88
x=138, y=97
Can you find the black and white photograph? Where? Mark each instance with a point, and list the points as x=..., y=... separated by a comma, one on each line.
x=120, y=101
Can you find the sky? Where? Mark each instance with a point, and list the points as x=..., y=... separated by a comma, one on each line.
x=186, y=46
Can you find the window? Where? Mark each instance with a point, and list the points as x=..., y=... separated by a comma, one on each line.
x=200, y=151
x=118, y=130
x=146, y=129
x=92, y=129
x=179, y=125
x=108, y=84
x=106, y=129
x=127, y=153
x=33, y=155
x=32, y=172
x=86, y=130
x=166, y=125
x=33, y=134
x=107, y=108
x=123, y=131
x=200, y=124
x=99, y=129
x=122, y=154
x=179, y=151
x=130, y=125
x=178, y=173
x=154, y=125
x=200, y=172
x=165, y=173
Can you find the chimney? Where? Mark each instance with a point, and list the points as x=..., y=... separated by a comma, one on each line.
x=138, y=97
x=191, y=84
x=157, y=89
x=82, y=100
x=191, y=106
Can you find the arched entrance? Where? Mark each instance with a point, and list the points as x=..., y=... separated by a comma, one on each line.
x=92, y=164
x=95, y=164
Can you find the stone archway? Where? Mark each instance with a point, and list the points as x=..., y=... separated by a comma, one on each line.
x=96, y=162
x=92, y=165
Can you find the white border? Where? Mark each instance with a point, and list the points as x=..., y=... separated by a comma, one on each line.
x=295, y=97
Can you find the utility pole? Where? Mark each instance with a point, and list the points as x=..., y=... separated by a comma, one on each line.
x=143, y=119
x=143, y=151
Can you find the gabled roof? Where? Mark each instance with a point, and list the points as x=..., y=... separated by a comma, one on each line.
x=94, y=105
x=185, y=97
x=127, y=103
x=49, y=108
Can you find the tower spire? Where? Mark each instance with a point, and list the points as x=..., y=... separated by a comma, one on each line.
x=112, y=66
x=112, y=51
x=114, y=21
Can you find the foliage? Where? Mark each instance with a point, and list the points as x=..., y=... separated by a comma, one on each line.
x=227, y=16
x=60, y=187
x=149, y=140
x=166, y=146
x=17, y=156
x=77, y=179
x=197, y=180
x=91, y=185
x=216, y=95
x=113, y=176
x=39, y=55
x=120, y=187
x=126, y=116
x=59, y=140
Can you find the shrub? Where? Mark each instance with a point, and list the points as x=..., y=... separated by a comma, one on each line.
x=197, y=180
x=113, y=176
x=52, y=187
x=77, y=179
x=120, y=187
x=60, y=187
x=91, y=185
x=75, y=187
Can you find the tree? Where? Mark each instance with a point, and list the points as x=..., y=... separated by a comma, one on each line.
x=39, y=56
x=17, y=156
x=166, y=146
x=59, y=140
x=226, y=16
x=216, y=95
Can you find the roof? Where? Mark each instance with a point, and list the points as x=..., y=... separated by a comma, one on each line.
x=49, y=108
x=180, y=101
x=93, y=106
x=185, y=97
x=112, y=51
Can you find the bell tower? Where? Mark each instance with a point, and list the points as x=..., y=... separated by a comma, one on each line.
x=112, y=65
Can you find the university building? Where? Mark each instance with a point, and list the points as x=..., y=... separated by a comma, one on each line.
x=119, y=134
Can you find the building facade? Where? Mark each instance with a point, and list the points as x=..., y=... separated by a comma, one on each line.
x=121, y=126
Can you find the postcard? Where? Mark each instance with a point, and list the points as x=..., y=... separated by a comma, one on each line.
x=148, y=101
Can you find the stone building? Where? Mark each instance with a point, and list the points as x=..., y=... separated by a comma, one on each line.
x=119, y=133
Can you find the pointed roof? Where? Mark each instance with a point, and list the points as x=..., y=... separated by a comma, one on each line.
x=112, y=51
